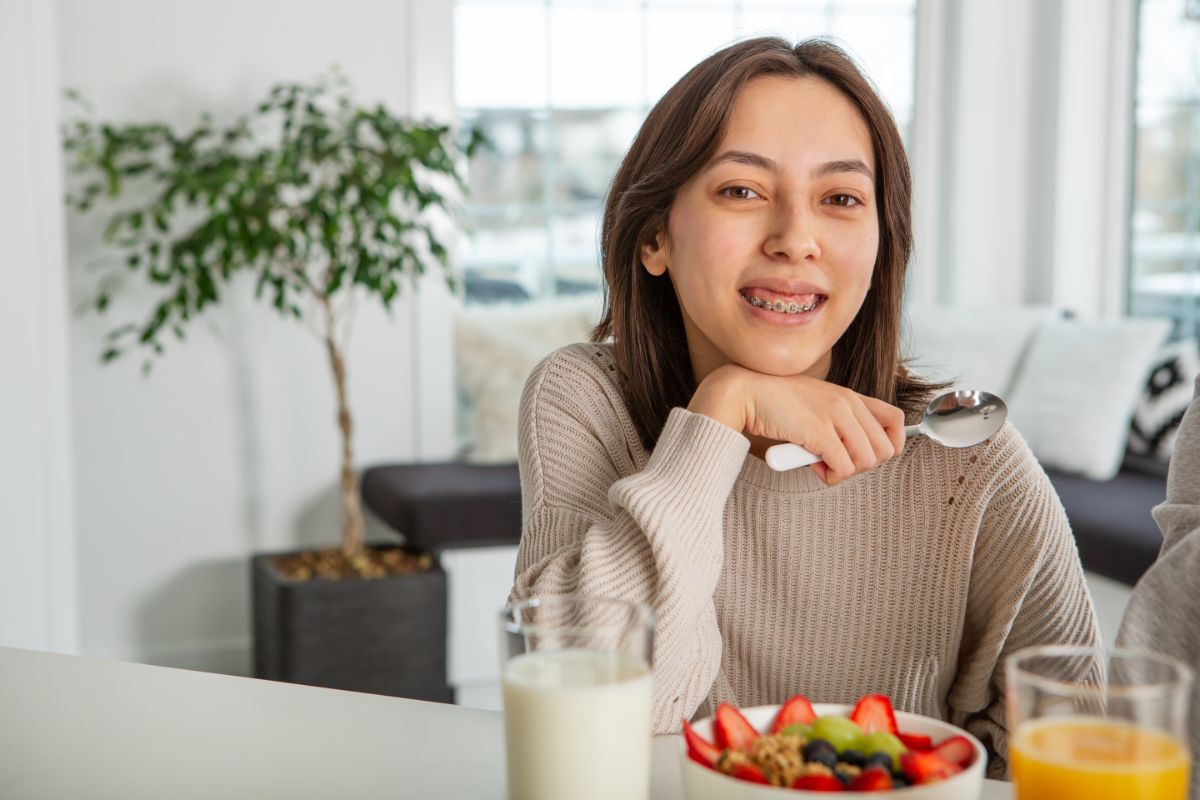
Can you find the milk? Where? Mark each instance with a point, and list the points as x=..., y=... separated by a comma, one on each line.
x=577, y=725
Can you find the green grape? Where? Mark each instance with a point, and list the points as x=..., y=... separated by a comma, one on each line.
x=884, y=742
x=839, y=731
x=797, y=729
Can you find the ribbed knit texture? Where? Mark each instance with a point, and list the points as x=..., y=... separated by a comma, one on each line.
x=914, y=579
x=1164, y=610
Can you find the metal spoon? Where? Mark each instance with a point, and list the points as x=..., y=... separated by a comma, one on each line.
x=954, y=419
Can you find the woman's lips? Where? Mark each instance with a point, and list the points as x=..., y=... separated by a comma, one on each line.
x=782, y=308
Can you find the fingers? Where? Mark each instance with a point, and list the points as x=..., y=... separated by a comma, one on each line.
x=892, y=420
x=836, y=456
x=869, y=432
x=862, y=434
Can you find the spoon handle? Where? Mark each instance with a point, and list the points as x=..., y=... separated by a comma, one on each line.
x=782, y=457
x=789, y=456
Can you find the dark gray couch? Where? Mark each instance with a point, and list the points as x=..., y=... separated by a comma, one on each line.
x=1111, y=520
x=454, y=504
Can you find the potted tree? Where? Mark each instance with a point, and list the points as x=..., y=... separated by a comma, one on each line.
x=321, y=201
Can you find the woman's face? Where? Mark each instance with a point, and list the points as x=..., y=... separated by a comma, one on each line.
x=782, y=217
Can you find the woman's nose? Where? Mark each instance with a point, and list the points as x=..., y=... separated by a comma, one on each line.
x=793, y=233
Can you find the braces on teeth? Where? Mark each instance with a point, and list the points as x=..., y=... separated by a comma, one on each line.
x=780, y=306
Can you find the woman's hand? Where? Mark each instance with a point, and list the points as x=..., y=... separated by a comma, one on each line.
x=851, y=432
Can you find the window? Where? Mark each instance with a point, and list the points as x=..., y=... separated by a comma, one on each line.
x=561, y=86
x=1164, y=276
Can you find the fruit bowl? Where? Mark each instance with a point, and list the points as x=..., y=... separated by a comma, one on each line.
x=702, y=783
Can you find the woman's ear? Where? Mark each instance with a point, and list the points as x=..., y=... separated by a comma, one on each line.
x=654, y=256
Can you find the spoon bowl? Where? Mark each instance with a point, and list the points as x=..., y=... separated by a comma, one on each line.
x=962, y=418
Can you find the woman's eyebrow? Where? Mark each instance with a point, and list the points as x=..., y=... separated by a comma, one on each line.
x=770, y=165
x=843, y=165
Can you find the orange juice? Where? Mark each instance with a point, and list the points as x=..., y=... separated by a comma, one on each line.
x=1081, y=757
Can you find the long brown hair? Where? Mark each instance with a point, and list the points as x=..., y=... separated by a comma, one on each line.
x=680, y=135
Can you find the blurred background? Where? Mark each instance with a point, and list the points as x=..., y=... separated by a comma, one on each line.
x=1055, y=147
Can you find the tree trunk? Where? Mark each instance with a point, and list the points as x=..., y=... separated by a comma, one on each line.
x=352, y=518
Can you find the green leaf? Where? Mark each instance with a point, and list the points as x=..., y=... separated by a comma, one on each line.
x=335, y=183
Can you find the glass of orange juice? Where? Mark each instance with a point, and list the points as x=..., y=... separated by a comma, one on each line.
x=1098, y=724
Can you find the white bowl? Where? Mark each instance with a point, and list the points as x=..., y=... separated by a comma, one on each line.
x=702, y=783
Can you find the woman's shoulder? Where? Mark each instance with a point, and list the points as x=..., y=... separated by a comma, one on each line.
x=582, y=369
x=578, y=385
x=999, y=464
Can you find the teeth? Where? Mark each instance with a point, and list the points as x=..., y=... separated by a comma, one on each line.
x=779, y=306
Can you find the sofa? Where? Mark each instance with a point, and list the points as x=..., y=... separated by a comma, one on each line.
x=1074, y=389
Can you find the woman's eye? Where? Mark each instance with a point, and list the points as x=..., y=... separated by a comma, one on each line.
x=844, y=200
x=740, y=193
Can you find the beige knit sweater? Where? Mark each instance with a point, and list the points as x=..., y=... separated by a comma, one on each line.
x=914, y=579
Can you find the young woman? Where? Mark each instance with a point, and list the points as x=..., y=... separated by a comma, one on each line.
x=754, y=246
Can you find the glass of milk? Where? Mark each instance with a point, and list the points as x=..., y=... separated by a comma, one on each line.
x=576, y=683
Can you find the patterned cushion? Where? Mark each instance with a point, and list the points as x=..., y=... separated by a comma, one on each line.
x=1167, y=395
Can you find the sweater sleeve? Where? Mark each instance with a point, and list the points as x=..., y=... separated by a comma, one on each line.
x=1027, y=588
x=595, y=524
x=1165, y=604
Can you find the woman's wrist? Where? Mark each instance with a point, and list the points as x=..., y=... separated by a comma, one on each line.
x=721, y=396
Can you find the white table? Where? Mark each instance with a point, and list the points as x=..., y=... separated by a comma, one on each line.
x=84, y=728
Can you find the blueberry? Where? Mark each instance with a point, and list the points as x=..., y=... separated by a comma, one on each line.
x=853, y=758
x=818, y=744
x=882, y=759
x=899, y=779
x=820, y=751
x=843, y=776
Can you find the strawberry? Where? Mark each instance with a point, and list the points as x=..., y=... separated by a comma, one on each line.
x=926, y=767
x=818, y=783
x=872, y=779
x=916, y=741
x=699, y=749
x=749, y=772
x=957, y=750
x=874, y=713
x=797, y=710
x=731, y=729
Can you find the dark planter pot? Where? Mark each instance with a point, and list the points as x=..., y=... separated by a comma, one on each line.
x=384, y=635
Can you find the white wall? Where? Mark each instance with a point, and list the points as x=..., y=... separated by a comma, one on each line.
x=37, y=562
x=1021, y=181
x=229, y=447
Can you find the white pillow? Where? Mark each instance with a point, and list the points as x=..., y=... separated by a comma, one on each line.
x=1076, y=393
x=496, y=347
x=972, y=347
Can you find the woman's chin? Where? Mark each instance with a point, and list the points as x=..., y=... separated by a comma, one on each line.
x=783, y=366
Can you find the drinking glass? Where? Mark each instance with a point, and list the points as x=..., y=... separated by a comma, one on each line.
x=576, y=683
x=1098, y=724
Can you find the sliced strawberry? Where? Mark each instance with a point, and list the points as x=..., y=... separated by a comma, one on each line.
x=958, y=750
x=797, y=710
x=916, y=741
x=874, y=713
x=731, y=729
x=927, y=767
x=700, y=750
x=872, y=779
x=749, y=772
x=818, y=783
